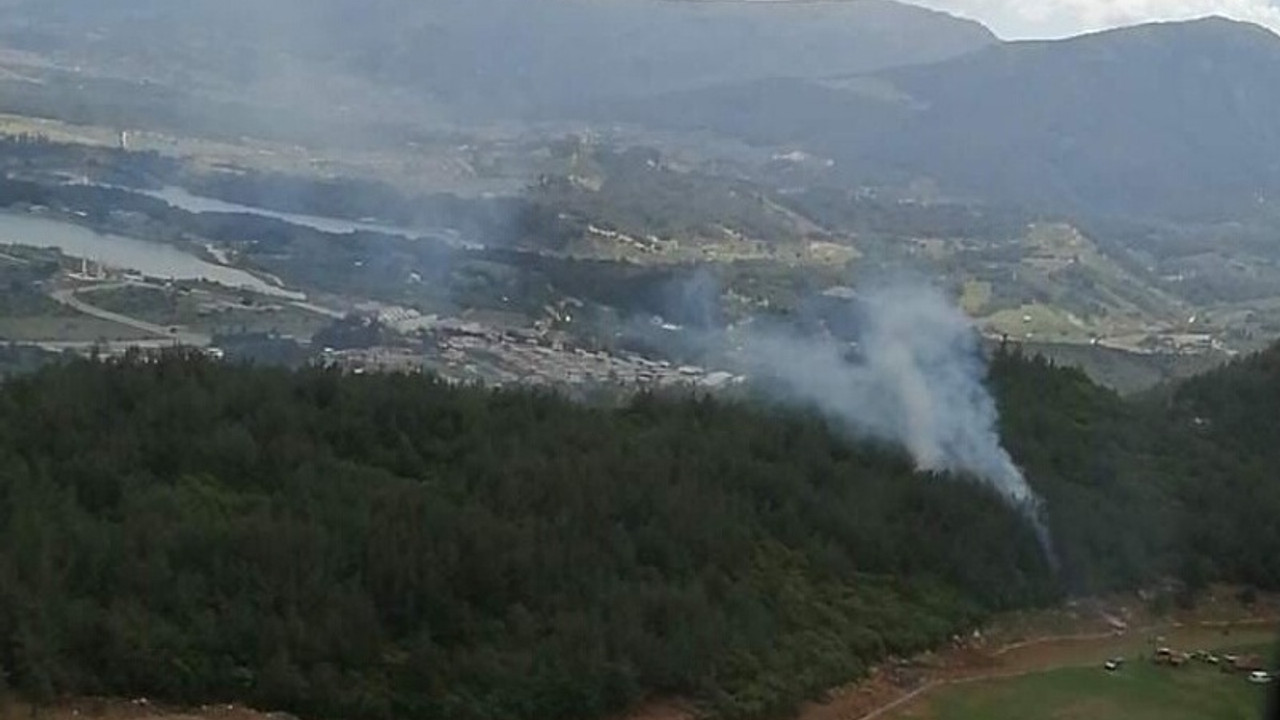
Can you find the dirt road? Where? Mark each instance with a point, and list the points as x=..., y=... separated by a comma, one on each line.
x=177, y=336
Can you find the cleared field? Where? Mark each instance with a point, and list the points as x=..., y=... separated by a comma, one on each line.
x=57, y=328
x=1138, y=691
x=204, y=310
x=975, y=296
x=1019, y=649
x=1038, y=321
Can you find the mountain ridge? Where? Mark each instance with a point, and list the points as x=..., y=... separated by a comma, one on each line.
x=1167, y=119
x=446, y=49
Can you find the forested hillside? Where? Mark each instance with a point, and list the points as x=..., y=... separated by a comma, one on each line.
x=1181, y=483
x=378, y=546
x=1234, y=412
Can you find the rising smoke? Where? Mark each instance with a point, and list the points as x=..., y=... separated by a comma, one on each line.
x=915, y=378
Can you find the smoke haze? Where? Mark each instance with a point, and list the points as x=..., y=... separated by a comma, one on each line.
x=915, y=378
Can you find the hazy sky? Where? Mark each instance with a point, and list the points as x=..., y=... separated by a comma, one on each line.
x=1058, y=18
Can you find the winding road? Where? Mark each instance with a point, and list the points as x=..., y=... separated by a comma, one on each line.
x=177, y=336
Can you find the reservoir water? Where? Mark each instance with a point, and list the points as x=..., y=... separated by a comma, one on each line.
x=149, y=258
x=184, y=200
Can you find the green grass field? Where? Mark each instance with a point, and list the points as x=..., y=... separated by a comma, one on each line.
x=65, y=328
x=1139, y=691
x=192, y=311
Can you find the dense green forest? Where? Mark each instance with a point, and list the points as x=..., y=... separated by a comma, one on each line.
x=377, y=546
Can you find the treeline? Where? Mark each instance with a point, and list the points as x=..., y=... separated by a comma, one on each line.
x=384, y=546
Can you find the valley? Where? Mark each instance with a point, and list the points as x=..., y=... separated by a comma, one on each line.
x=525, y=208
x=646, y=360
x=1044, y=283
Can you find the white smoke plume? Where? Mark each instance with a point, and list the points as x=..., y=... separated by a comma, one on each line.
x=916, y=378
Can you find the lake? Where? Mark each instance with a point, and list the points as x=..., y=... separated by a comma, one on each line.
x=184, y=200
x=149, y=258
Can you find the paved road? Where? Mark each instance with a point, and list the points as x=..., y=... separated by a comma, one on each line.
x=87, y=345
x=318, y=309
x=68, y=297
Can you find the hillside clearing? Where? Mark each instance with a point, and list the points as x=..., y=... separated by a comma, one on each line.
x=1137, y=691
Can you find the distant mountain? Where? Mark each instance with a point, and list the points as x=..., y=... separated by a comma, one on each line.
x=572, y=51
x=508, y=55
x=1171, y=119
